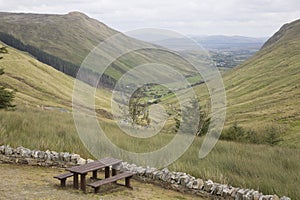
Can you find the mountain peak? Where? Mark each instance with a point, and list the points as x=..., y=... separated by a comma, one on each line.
x=77, y=14
x=289, y=31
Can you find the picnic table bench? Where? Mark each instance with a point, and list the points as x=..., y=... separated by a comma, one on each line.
x=63, y=178
x=127, y=175
x=83, y=170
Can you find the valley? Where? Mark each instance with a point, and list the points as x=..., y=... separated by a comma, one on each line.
x=262, y=95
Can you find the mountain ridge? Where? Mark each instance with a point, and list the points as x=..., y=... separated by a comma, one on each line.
x=64, y=41
x=287, y=32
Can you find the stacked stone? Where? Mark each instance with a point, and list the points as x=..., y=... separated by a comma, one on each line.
x=176, y=180
x=47, y=158
x=187, y=183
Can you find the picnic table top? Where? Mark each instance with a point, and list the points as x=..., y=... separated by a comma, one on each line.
x=98, y=164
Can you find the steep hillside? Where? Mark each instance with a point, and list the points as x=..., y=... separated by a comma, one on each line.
x=266, y=88
x=43, y=117
x=63, y=41
x=38, y=84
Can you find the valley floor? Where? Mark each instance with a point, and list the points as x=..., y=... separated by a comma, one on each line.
x=28, y=182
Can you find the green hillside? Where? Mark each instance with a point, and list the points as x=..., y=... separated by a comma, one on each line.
x=63, y=41
x=265, y=90
x=38, y=84
x=44, y=105
x=43, y=120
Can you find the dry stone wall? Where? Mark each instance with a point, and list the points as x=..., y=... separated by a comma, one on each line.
x=179, y=181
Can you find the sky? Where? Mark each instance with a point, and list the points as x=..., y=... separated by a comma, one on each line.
x=255, y=18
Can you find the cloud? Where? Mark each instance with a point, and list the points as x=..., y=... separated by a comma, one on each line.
x=231, y=17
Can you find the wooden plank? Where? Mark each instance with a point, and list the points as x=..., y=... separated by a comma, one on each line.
x=105, y=162
x=63, y=176
x=111, y=179
x=84, y=169
x=87, y=167
x=110, y=161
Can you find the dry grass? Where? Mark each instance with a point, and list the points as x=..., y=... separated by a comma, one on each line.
x=27, y=182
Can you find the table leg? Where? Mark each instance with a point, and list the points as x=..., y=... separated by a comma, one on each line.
x=75, y=181
x=127, y=182
x=83, y=182
x=95, y=174
x=114, y=172
x=106, y=172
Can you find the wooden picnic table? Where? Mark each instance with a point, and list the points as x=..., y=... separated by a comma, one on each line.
x=83, y=170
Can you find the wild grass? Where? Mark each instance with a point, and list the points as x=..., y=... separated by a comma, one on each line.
x=262, y=167
x=40, y=129
x=255, y=97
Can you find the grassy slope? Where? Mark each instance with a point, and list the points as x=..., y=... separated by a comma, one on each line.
x=264, y=91
x=40, y=86
x=72, y=36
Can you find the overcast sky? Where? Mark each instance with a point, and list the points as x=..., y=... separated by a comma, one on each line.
x=259, y=18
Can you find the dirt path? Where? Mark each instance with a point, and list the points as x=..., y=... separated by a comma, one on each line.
x=27, y=182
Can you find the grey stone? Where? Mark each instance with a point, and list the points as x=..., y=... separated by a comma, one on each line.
x=200, y=184
x=285, y=198
x=275, y=197
x=75, y=158
x=165, y=170
x=265, y=197
x=240, y=194
x=81, y=161
x=220, y=189
x=184, y=180
x=66, y=157
x=208, y=185
x=41, y=154
x=213, y=189
x=26, y=153
x=8, y=150
x=190, y=184
x=256, y=195
x=149, y=171
x=234, y=192
x=225, y=192
x=48, y=156
x=2, y=149
x=140, y=171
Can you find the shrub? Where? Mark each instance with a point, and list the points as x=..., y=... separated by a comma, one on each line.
x=272, y=135
x=233, y=133
x=268, y=135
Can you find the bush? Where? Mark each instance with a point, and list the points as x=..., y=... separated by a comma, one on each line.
x=272, y=135
x=267, y=135
x=233, y=133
